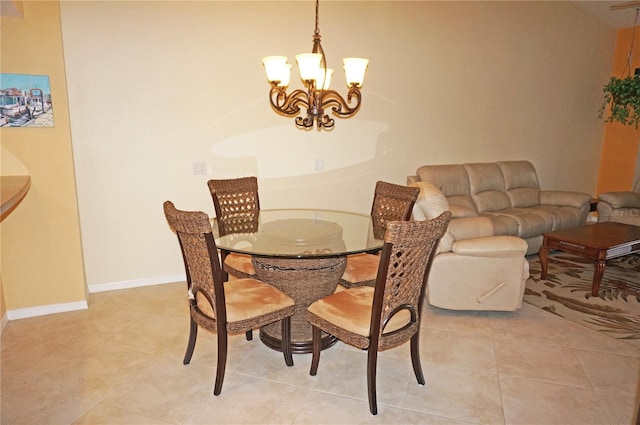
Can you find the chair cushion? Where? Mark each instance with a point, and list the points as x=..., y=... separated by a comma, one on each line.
x=240, y=262
x=248, y=298
x=351, y=310
x=361, y=268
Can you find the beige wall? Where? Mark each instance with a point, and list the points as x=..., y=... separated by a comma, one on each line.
x=156, y=86
x=41, y=249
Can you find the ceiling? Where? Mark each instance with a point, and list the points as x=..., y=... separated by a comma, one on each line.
x=619, y=18
x=623, y=17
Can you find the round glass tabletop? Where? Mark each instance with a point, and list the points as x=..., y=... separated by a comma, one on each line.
x=302, y=233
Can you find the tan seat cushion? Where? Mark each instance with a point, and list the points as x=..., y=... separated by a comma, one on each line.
x=240, y=262
x=361, y=268
x=247, y=298
x=351, y=310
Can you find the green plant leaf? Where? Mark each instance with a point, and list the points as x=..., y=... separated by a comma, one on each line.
x=622, y=100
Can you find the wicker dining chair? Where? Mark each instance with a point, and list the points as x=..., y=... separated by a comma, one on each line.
x=220, y=307
x=237, y=207
x=387, y=315
x=391, y=202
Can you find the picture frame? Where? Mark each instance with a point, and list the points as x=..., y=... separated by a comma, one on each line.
x=25, y=101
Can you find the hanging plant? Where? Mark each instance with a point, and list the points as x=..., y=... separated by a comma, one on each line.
x=622, y=97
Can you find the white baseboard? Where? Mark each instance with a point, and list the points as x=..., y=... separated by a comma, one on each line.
x=23, y=313
x=42, y=310
x=3, y=322
x=134, y=283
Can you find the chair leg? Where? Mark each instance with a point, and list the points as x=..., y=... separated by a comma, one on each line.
x=372, y=365
x=249, y=334
x=222, y=362
x=315, y=359
x=286, y=341
x=415, y=358
x=193, y=334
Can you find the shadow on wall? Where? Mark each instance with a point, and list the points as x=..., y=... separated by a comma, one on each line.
x=284, y=151
x=278, y=152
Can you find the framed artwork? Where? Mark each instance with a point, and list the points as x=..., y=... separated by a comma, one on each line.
x=25, y=101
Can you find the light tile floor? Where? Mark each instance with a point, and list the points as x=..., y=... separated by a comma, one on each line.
x=120, y=362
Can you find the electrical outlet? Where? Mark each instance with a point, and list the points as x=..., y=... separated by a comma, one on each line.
x=319, y=165
x=199, y=168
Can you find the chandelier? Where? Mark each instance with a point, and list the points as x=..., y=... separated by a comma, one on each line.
x=316, y=77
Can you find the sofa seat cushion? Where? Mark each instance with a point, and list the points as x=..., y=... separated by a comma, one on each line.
x=503, y=225
x=528, y=223
x=562, y=198
x=563, y=217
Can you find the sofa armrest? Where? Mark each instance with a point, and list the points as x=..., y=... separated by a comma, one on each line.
x=562, y=198
x=621, y=199
x=491, y=246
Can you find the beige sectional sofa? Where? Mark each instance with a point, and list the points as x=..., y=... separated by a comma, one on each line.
x=509, y=194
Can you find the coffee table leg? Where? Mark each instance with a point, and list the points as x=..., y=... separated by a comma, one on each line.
x=544, y=257
x=597, y=277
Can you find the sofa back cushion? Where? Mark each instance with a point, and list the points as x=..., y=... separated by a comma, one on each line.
x=453, y=182
x=487, y=187
x=521, y=182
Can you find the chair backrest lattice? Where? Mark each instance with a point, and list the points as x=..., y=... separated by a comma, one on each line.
x=391, y=202
x=236, y=203
x=404, y=268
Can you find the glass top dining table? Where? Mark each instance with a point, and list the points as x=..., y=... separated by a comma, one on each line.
x=303, y=233
x=302, y=252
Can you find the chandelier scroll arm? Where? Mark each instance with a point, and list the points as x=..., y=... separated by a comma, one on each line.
x=287, y=104
x=339, y=106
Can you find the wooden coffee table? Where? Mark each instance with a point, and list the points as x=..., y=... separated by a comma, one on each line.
x=599, y=242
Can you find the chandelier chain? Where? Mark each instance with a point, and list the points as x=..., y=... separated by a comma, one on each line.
x=317, y=31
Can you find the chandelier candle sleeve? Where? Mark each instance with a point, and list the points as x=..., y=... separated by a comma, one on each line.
x=354, y=69
x=316, y=77
x=278, y=70
x=308, y=65
x=324, y=76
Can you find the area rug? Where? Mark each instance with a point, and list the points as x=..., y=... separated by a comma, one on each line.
x=566, y=292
